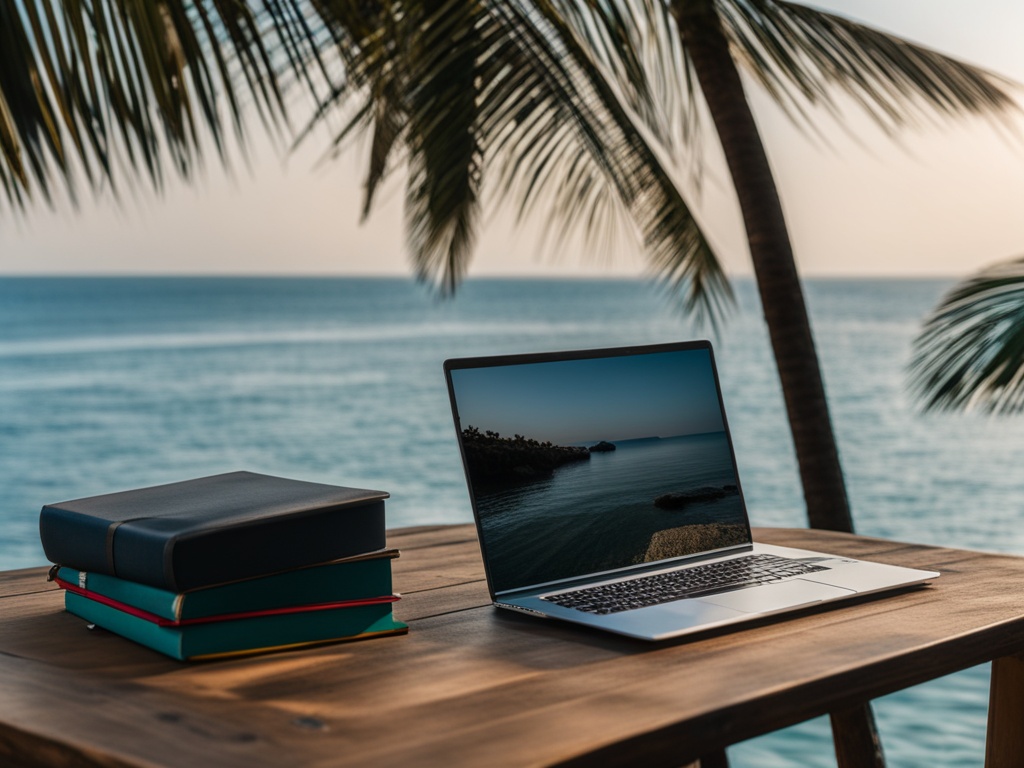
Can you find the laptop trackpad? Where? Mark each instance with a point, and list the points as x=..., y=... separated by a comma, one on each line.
x=775, y=597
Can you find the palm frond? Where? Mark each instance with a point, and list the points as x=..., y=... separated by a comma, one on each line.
x=970, y=351
x=445, y=156
x=796, y=51
x=387, y=124
x=111, y=92
x=370, y=38
x=565, y=143
x=509, y=92
x=633, y=43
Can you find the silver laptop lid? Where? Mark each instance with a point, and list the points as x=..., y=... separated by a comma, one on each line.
x=590, y=462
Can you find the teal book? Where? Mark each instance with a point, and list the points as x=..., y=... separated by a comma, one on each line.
x=207, y=639
x=353, y=578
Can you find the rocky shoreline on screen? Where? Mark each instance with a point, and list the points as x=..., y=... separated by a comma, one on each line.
x=682, y=499
x=492, y=458
x=687, y=539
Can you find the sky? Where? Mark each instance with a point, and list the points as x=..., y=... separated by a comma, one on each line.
x=943, y=201
x=582, y=401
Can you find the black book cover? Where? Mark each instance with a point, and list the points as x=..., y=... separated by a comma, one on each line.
x=212, y=530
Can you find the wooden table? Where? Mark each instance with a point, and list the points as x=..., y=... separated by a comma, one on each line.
x=474, y=686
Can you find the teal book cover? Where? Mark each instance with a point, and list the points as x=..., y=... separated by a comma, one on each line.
x=354, y=578
x=260, y=634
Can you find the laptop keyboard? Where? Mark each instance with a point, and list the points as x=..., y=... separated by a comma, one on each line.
x=698, y=581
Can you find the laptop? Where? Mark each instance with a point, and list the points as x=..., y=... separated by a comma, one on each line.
x=605, y=492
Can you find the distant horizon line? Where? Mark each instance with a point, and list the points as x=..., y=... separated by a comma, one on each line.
x=646, y=439
x=412, y=278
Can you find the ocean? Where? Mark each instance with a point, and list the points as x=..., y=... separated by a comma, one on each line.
x=115, y=383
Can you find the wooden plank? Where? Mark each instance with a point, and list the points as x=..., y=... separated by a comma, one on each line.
x=469, y=681
x=74, y=720
x=425, y=536
x=444, y=563
x=26, y=581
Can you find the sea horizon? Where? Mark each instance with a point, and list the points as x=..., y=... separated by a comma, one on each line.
x=538, y=277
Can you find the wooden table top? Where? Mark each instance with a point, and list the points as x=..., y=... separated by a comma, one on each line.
x=472, y=685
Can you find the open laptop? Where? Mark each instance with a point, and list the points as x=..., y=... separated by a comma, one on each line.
x=605, y=491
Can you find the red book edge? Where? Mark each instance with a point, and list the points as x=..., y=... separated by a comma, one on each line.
x=164, y=622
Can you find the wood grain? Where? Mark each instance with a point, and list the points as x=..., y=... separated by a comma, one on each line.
x=474, y=685
x=24, y=582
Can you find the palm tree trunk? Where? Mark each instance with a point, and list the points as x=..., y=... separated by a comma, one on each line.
x=782, y=301
x=782, y=298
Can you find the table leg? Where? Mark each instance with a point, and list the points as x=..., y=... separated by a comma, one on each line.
x=855, y=737
x=1005, y=744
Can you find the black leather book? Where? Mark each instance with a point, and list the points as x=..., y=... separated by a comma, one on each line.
x=212, y=530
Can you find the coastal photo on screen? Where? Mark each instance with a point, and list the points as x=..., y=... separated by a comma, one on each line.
x=587, y=465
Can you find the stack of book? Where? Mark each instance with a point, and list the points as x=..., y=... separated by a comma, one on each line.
x=230, y=564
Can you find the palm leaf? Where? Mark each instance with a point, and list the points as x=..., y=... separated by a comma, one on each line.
x=970, y=351
x=445, y=157
x=795, y=52
x=94, y=89
x=505, y=100
x=369, y=38
x=632, y=41
x=598, y=163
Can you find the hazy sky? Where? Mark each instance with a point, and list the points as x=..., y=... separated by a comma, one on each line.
x=945, y=202
x=663, y=394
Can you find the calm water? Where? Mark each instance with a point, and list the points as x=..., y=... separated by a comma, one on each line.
x=532, y=530
x=107, y=384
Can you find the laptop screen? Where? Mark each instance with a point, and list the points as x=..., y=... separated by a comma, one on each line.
x=594, y=461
